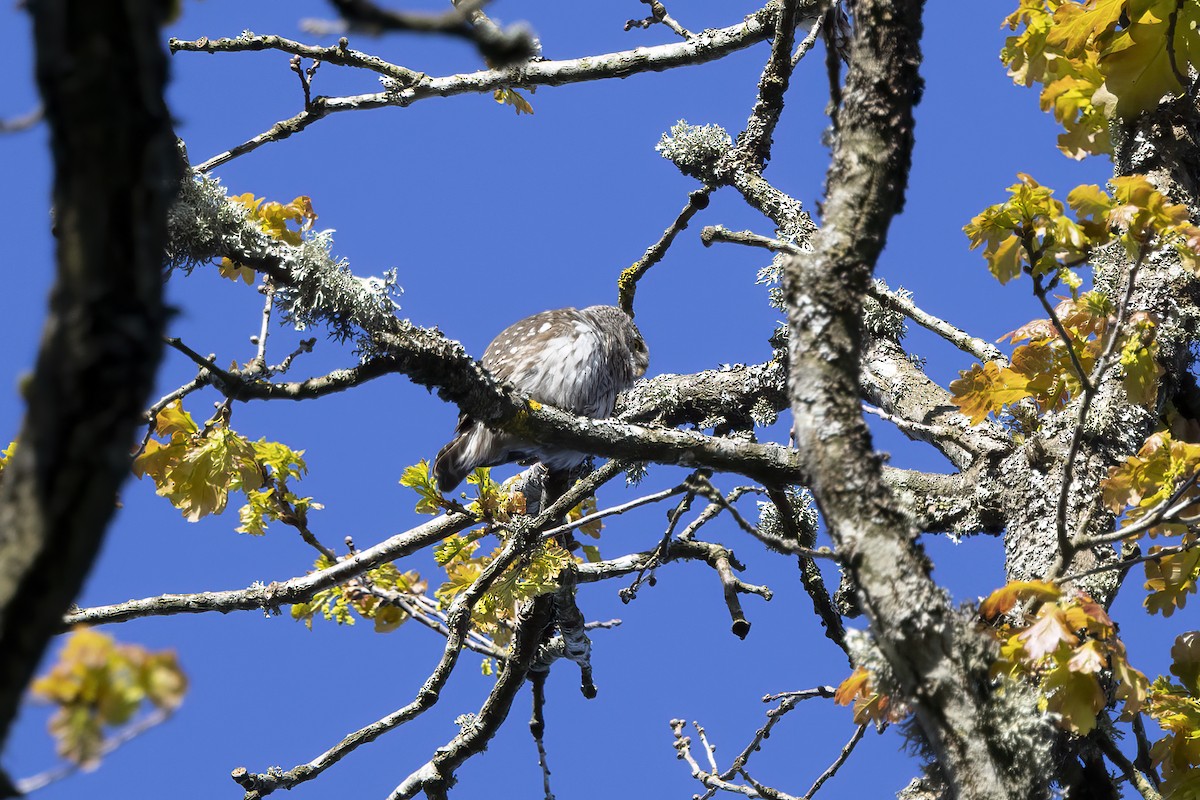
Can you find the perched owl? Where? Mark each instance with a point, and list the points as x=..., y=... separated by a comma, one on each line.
x=575, y=359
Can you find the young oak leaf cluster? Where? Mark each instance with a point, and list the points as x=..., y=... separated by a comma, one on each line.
x=197, y=468
x=511, y=97
x=1066, y=644
x=1041, y=369
x=372, y=595
x=1101, y=59
x=6, y=455
x=98, y=684
x=536, y=573
x=272, y=218
x=1031, y=234
x=1163, y=472
x=494, y=615
x=1175, y=706
x=869, y=705
x=492, y=501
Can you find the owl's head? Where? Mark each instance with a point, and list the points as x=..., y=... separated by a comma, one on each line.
x=627, y=347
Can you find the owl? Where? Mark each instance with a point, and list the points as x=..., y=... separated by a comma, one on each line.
x=575, y=359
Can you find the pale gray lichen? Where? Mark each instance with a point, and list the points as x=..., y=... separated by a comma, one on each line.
x=695, y=149
x=636, y=474
x=882, y=321
x=204, y=226
x=763, y=413
x=804, y=517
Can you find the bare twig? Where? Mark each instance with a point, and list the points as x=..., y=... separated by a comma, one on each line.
x=23, y=122
x=709, y=779
x=1138, y=779
x=537, y=725
x=980, y=348
x=755, y=139
x=628, y=280
x=1066, y=543
x=437, y=774
x=458, y=623
x=271, y=596
x=259, y=362
x=411, y=87
x=658, y=13
x=523, y=534
x=1166, y=511
x=500, y=46
x=837, y=763
x=808, y=42
x=614, y=510
x=1126, y=563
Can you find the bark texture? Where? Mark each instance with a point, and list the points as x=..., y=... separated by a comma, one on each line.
x=101, y=70
x=938, y=663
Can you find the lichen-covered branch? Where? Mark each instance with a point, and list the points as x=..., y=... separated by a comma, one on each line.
x=709, y=46
x=273, y=595
x=937, y=659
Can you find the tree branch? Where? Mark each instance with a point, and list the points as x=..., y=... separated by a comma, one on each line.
x=405, y=91
x=927, y=646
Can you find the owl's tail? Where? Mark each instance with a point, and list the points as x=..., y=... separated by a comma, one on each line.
x=453, y=463
x=473, y=445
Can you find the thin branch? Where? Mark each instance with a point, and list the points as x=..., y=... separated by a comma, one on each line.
x=437, y=774
x=339, y=54
x=1068, y=342
x=980, y=348
x=755, y=139
x=411, y=87
x=178, y=394
x=808, y=42
x=773, y=717
x=628, y=280
x=1138, y=779
x=802, y=694
x=537, y=725
x=709, y=779
x=501, y=46
x=259, y=362
x=1067, y=543
x=810, y=574
x=719, y=558
x=522, y=536
x=673, y=517
x=658, y=13
x=1172, y=58
x=23, y=122
x=837, y=763
x=272, y=596
x=1144, y=760
x=1126, y=563
x=614, y=510
x=426, y=612
x=459, y=620
x=1166, y=511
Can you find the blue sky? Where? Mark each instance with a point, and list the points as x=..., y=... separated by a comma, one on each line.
x=489, y=217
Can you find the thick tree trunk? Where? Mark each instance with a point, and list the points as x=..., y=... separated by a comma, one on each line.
x=102, y=69
x=938, y=662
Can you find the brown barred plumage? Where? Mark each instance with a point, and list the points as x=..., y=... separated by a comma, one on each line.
x=575, y=359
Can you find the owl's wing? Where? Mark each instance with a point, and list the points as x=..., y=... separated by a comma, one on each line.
x=555, y=357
